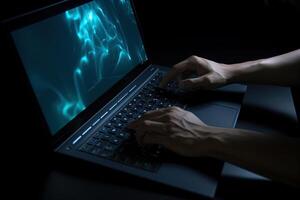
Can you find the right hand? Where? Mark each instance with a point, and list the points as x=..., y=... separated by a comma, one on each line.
x=178, y=130
x=209, y=74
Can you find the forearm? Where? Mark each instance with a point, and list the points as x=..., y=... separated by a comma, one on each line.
x=279, y=70
x=273, y=156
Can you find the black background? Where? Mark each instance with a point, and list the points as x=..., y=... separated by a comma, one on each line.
x=226, y=31
x=223, y=30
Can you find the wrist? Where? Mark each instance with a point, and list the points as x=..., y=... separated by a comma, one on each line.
x=232, y=72
x=215, y=141
x=241, y=72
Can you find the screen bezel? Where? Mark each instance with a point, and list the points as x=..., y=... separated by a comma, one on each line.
x=73, y=125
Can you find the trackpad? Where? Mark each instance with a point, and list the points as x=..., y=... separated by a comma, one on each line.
x=215, y=114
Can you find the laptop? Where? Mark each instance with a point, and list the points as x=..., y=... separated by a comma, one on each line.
x=87, y=68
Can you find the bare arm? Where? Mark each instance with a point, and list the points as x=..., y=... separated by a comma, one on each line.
x=280, y=70
x=273, y=156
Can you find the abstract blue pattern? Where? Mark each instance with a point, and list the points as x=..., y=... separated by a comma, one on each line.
x=101, y=45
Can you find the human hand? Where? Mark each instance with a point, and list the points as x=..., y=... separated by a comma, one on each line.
x=176, y=129
x=209, y=74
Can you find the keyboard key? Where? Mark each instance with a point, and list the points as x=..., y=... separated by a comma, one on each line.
x=92, y=141
x=106, y=137
x=120, y=114
x=106, y=154
x=149, y=106
x=130, y=105
x=99, y=144
x=120, y=125
x=144, y=111
x=109, y=125
x=124, y=120
x=103, y=129
x=112, y=131
x=140, y=104
x=96, y=151
x=149, y=95
x=86, y=148
x=147, y=165
x=122, y=135
x=109, y=147
x=130, y=115
x=114, y=120
x=98, y=135
x=115, y=142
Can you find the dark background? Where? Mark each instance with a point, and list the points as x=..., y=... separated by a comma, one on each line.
x=223, y=30
x=227, y=31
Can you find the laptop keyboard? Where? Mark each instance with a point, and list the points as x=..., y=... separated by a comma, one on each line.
x=115, y=142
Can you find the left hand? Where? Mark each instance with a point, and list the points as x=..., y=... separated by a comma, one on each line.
x=176, y=129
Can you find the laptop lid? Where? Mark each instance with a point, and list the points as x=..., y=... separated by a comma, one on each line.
x=76, y=56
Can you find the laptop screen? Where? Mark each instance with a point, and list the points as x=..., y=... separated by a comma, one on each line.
x=72, y=58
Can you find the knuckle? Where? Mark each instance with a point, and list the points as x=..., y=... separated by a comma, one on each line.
x=168, y=110
x=176, y=108
x=173, y=108
x=145, y=123
x=208, y=80
x=205, y=79
x=193, y=59
x=168, y=117
x=189, y=81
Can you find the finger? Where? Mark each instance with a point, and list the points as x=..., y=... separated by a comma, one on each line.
x=202, y=66
x=149, y=126
x=148, y=116
x=153, y=113
x=173, y=73
x=166, y=117
x=202, y=82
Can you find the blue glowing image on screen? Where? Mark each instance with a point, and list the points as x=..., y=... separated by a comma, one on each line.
x=72, y=58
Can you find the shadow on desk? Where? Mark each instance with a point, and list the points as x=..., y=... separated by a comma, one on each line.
x=84, y=181
x=270, y=110
x=88, y=182
x=238, y=188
